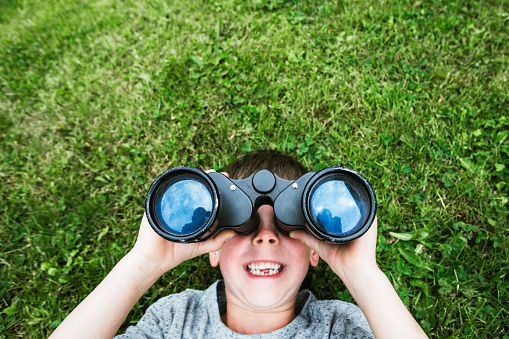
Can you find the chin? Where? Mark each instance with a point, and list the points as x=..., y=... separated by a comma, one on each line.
x=267, y=298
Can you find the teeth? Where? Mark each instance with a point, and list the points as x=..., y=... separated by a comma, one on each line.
x=264, y=268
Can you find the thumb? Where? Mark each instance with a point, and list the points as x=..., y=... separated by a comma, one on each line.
x=307, y=239
x=217, y=242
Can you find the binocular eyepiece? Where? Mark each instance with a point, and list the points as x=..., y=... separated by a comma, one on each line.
x=185, y=204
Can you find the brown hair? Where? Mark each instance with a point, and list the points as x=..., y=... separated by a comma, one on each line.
x=284, y=166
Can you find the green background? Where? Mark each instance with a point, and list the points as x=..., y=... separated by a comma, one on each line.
x=99, y=97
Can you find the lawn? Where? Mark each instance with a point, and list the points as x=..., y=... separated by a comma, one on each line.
x=99, y=97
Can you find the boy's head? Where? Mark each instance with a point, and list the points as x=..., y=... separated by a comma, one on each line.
x=264, y=270
x=284, y=166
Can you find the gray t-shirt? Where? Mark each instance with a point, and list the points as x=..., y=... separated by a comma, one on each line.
x=197, y=314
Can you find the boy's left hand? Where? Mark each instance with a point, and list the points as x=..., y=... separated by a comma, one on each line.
x=360, y=253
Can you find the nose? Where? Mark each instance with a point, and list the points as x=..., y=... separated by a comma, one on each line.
x=266, y=233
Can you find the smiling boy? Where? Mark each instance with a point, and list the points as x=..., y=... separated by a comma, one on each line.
x=262, y=272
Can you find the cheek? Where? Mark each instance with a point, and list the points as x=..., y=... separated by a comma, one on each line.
x=230, y=252
x=298, y=247
x=299, y=252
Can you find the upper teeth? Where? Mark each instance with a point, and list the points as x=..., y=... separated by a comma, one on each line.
x=264, y=268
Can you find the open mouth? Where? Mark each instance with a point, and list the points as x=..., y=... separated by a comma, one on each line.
x=264, y=268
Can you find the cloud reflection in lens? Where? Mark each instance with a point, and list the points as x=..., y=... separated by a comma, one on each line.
x=334, y=208
x=185, y=206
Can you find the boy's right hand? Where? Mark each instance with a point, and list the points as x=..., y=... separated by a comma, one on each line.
x=103, y=311
x=163, y=255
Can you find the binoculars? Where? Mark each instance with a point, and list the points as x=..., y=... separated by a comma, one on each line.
x=185, y=204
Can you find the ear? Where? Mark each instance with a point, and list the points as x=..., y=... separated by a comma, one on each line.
x=214, y=258
x=314, y=258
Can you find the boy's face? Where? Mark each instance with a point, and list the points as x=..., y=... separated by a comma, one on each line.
x=263, y=270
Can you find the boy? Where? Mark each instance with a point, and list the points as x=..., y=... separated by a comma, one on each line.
x=260, y=294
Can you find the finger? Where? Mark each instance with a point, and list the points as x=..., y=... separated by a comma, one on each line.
x=374, y=225
x=372, y=232
x=145, y=231
x=223, y=173
x=307, y=239
x=216, y=243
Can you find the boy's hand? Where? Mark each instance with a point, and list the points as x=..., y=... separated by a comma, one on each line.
x=360, y=253
x=103, y=311
x=355, y=264
x=165, y=255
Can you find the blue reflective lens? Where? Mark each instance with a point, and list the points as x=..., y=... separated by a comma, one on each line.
x=184, y=206
x=338, y=207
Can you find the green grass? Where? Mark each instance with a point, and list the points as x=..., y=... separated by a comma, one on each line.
x=98, y=97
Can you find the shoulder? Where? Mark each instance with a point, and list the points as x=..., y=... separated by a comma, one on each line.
x=179, y=314
x=343, y=319
x=180, y=307
x=174, y=301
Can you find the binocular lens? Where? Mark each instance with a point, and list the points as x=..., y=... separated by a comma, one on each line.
x=339, y=205
x=184, y=204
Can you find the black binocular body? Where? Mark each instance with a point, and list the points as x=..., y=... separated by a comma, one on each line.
x=185, y=204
